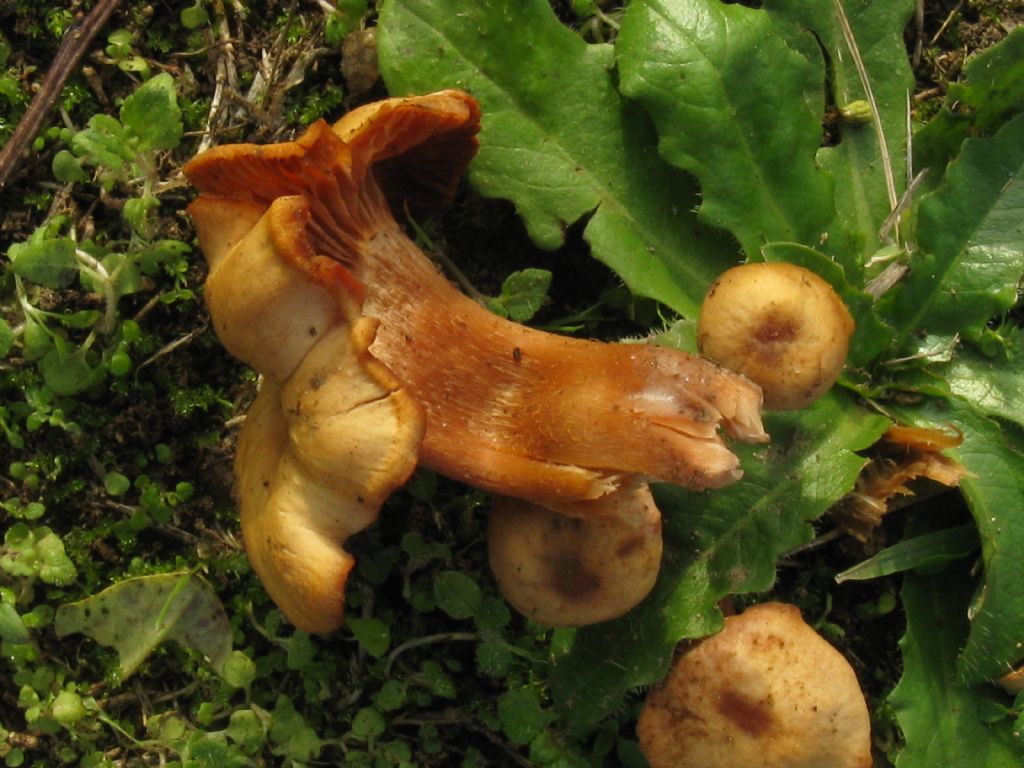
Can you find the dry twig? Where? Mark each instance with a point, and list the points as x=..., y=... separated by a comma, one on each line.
x=72, y=48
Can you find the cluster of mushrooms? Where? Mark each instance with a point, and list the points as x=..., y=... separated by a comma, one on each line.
x=372, y=363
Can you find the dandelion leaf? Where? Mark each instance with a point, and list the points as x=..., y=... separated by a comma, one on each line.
x=853, y=154
x=937, y=712
x=993, y=384
x=136, y=615
x=971, y=241
x=558, y=139
x=989, y=93
x=739, y=108
x=995, y=495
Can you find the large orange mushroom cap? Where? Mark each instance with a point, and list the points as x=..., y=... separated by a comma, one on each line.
x=765, y=692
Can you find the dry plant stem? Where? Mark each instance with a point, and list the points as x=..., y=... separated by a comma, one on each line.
x=862, y=72
x=72, y=48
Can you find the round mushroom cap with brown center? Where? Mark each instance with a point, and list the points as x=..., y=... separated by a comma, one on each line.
x=765, y=692
x=565, y=570
x=781, y=326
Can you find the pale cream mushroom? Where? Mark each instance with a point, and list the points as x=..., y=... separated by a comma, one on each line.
x=781, y=326
x=765, y=692
x=573, y=570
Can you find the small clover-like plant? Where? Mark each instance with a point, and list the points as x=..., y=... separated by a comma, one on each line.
x=125, y=150
x=75, y=349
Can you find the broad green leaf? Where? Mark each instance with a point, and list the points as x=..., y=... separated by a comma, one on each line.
x=152, y=115
x=68, y=168
x=855, y=161
x=719, y=543
x=739, y=108
x=12, y=628
x=69, y=370
x=939, y=716
x=136, y=615
x=925, y=551
x=47, y=261
x=247, y=728
x=971, y=236
x=990, y=92
x=522, y=717
x=557, y=138
x=83, y=318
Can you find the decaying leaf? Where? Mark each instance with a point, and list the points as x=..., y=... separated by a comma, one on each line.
x=136, y=615
x=903, y=456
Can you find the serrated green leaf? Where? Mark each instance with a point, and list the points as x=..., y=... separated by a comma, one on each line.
x=136, y=615
x=971, y=234
x=152, y=115
x=855, y=160
x=247, y=729
x=994, y=385
x=522, y=294
x=47, y=261
x=995, y=495
x=557, y=138
x=925, y=551
x=739, y=108
x=938, y=714
x=719, y=543
x=990, y=92
x=103, y=142
x=457, y=594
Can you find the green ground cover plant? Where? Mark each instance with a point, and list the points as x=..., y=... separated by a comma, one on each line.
x=628, y=156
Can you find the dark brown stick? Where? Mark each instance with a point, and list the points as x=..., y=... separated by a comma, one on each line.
x=72, y=47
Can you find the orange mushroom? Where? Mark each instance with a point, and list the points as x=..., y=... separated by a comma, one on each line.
x=301, y=238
